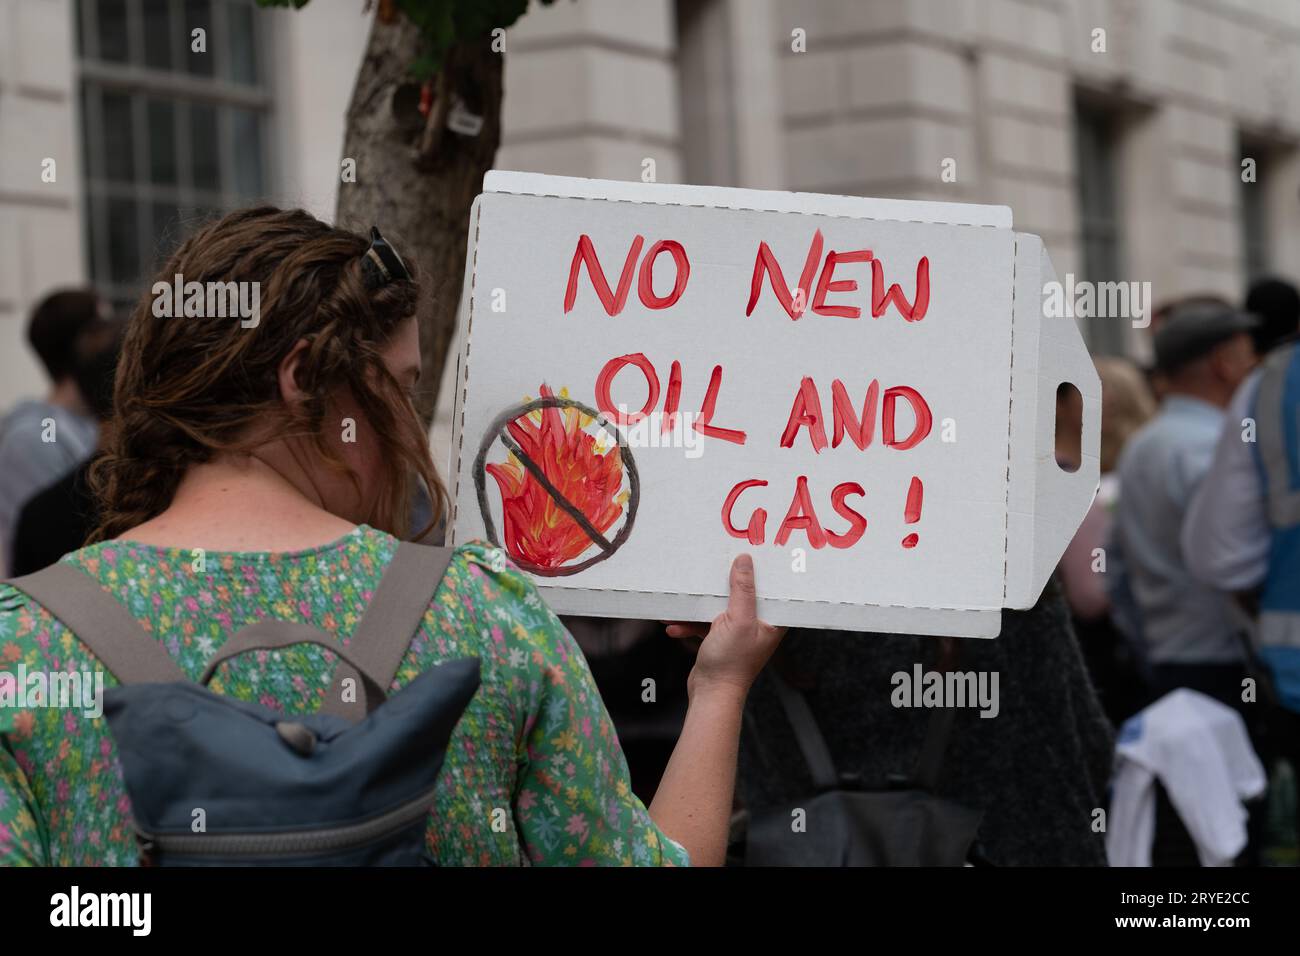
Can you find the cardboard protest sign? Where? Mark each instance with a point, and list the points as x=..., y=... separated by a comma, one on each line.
x=860, y=393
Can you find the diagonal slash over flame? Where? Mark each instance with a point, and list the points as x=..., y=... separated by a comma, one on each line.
x=564, y=479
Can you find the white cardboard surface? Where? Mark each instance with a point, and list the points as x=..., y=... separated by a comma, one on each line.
x=997, y=511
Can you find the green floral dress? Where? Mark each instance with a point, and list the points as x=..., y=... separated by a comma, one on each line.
x=536, y=741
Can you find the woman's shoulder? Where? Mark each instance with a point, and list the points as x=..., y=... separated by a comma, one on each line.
x=482, y=601
x=32, y=639
x=476, y=568
x=490, y=568
x=13, y=603
x=22, y=616
x=14, y=600
x=482, y=581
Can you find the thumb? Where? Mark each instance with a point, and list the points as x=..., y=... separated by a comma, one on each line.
x=742, y=603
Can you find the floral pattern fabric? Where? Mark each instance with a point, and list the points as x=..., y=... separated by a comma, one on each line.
x=533, y=774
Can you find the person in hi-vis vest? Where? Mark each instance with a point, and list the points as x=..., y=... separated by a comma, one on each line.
x=1242, y=532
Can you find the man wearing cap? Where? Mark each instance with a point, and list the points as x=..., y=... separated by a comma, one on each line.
x=42, y=440
x=1189, y=632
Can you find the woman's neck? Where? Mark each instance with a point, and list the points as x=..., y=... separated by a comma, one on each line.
x=240, y=504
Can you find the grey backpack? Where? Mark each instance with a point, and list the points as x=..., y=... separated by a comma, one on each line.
x=849, y=825
x=215, y=781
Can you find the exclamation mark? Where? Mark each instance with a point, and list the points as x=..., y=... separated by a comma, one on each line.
x=912, y=512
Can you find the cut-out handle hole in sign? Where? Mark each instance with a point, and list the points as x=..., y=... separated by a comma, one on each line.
x=1069, y=427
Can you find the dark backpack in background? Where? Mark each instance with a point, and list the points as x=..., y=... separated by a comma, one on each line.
x=215, y=781
x=847, y=825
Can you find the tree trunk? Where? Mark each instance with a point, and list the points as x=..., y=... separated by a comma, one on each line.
x=415, y=178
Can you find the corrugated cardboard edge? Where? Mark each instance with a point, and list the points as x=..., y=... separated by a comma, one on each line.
x=1044, y=503
x=1031, y=549
x=757, y=200
x=464, y=321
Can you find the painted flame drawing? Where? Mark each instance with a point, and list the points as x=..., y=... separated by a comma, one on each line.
x=587, y=470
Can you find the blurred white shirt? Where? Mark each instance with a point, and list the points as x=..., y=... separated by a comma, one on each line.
x=1182, y=620
x=1226, y=536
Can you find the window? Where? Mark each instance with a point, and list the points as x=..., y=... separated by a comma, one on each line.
x=172, y=136
x=1096, y=144
x=1254, y=209
x=707, y=113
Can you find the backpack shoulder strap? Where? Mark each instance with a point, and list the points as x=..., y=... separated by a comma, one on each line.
x=929, y=764
x=101, y=623
x=267, y=635
x=393, y=615
x=808, y=736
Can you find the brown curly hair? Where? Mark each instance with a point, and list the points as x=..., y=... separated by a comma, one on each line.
x=189, y=388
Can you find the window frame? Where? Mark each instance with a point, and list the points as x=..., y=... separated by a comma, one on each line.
x=1100, y=130
x=1255, y=220
x=182, y=90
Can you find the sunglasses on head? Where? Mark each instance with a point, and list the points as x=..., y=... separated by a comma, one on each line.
x=382, y=264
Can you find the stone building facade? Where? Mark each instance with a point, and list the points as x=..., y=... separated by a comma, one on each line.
x=1118, y=130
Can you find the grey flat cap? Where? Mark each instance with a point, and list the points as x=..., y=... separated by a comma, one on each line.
x=1195, y=329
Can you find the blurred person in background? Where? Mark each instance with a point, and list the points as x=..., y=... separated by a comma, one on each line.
x=1126, y=405
x=1156, y=379
x=1035, y=773
x=1277, y=304
x=1190, y=634
x=1242, y=533
x=41, y=440
x=60, y=518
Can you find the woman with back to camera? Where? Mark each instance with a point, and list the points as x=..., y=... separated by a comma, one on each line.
x=230, y=439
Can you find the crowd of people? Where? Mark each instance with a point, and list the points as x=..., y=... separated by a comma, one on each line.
x=1182, y=576
x=160, y=440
